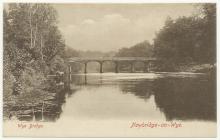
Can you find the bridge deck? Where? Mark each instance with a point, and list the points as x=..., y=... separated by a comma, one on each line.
x=77, y=59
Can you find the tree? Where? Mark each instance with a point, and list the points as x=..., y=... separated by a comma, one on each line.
x=55, y=45
x=209, y=32
x=70, y=52
x=7, y=75
x=178, y=39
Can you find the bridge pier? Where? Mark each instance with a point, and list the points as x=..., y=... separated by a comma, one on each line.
x=69, y=73
x=68, y=78
x=116, y=67
x=85, y=67
x=101, y=70
x=147, y=66
x=132, y=67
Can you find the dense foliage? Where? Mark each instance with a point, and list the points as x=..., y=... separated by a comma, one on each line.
x=188, y=39
x=33, y=46
x=182, y=43
x=143, y=49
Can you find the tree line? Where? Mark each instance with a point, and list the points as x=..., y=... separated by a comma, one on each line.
x=182, y=41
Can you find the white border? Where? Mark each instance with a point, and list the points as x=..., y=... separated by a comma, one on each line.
x=1, y=67
x=108, y=1
x=112, y=1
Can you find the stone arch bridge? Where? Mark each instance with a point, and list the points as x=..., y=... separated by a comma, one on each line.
x=117, y=60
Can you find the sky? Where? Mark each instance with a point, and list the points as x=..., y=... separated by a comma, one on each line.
x=109, y=27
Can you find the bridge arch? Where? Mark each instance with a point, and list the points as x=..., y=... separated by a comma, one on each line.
x=86, y=63
x=108, y=66
x=139, y=65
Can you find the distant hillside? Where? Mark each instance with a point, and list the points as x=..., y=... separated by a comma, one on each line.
x=96, y=54
x=142, y=49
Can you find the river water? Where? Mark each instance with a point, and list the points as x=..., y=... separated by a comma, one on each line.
x=131, y=105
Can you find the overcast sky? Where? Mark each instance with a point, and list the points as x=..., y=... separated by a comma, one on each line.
x=109, y=27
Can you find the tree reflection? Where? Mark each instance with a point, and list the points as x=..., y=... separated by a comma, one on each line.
x=186, y=98
x=142, y=89
x=178, y=98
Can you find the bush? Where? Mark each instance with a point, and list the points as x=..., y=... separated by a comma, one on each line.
x=57, y=64
x=32, y=79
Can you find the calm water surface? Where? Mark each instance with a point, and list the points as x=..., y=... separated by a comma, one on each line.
x=106, y=105
x=159, y=96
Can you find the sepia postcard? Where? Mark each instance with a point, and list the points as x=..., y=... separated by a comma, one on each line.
x=138, y=70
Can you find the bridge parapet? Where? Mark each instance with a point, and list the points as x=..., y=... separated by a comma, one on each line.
x=78, y=59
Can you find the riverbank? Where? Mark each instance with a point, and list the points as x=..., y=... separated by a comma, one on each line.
x=197, y=68
x=34, y=105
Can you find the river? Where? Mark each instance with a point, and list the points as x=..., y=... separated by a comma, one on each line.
x=131, y=105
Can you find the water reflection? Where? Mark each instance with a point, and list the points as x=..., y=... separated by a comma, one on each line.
x=178, y=96
x=186, y=98
x=161, y=96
